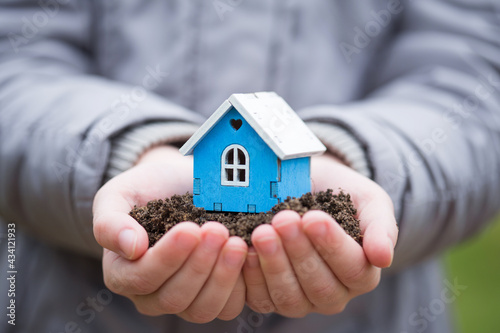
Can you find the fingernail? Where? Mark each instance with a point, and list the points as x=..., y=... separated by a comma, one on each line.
x=213, y=241
x=186, y=241
x=391, y=250
x=267, y=245
x=252, y=259
x=234, y=258
x=127, y=239
x=316, y=229
x=288, y=231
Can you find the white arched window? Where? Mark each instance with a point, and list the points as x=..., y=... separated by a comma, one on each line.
x=234, y=166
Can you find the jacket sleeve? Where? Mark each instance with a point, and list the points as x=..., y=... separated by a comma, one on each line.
x=57, y=120
x=430, y=126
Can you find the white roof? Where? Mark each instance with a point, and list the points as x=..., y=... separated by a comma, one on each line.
x=273, y=120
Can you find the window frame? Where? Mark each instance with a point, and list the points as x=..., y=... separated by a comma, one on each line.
x=233, y=149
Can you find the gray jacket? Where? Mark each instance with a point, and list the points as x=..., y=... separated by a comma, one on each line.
x=407, y=92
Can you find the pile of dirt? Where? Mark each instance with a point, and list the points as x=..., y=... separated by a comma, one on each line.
x=158, y=216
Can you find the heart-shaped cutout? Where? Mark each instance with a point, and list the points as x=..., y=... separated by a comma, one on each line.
x=236, y=123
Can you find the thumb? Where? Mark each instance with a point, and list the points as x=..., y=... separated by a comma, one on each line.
x=114, y=229
x=121, y=234
x=380, y=234
x=378, y=246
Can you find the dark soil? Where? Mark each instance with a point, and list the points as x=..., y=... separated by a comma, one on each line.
x=158, y=216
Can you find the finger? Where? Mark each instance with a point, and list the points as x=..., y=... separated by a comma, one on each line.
x=147, y=274
x=315, y=276
x=235, y=302
x=114, y=229
x=217, y=289
x=182, y=288
x=342, y=254
x=380, y=231
x=258, y=298
x=286, y=293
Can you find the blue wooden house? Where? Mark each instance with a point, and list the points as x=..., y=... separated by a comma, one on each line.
x=253, y=152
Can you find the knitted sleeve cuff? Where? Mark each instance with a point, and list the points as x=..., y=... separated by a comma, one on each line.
x=342, y=144
x=127, y=147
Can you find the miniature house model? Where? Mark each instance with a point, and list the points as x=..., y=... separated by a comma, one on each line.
x=253, y=152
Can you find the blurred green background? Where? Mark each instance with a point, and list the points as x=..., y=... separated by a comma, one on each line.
x=476, y=264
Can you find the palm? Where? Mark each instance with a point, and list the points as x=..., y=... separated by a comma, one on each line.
x=150, y=181
x=374, y=206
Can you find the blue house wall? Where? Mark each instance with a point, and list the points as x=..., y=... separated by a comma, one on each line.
x=269, y=178
x=207, y=168
x=295, y=178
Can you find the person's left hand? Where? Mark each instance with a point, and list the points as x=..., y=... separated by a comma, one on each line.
x=309, y=264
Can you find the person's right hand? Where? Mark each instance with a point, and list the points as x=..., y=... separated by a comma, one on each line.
x=192, y=271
